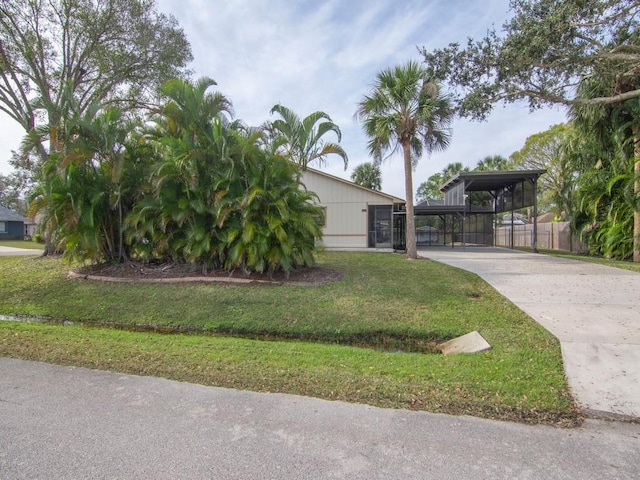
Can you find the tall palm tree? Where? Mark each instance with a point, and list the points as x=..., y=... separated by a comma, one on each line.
x=301, y=139
x=406, y=110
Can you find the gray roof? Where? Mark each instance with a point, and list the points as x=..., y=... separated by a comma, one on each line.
x=7, y=215
x=490, y=181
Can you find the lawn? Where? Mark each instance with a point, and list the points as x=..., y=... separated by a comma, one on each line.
x=365, y=338
x=22, y=244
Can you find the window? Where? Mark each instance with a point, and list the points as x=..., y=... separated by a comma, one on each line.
x=3, y=227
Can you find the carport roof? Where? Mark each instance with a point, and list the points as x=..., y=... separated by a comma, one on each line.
x=491, y=181
x=437, y=207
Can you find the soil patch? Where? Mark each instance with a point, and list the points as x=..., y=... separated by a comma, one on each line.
x=131, y=272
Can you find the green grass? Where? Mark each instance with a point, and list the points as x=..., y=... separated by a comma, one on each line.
x=22, y=244
x=383, y=300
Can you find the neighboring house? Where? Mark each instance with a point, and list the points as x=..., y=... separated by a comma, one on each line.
x=11, y=224
x=32, y=225
x=355, y=216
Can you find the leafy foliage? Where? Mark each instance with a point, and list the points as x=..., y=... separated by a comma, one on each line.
x=607, y=197
x=583, y=53
x=430, y=190
x=10, y=192
x=368, y=175
x=492, y=163
x=95, y=52
x=546, y=49
x=89, y=187
x=548, y=151
x=217, y=198
x=301, y=140
x=193, y=186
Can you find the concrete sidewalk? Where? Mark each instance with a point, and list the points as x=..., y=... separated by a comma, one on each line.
x=594, y=311
x=70, y=423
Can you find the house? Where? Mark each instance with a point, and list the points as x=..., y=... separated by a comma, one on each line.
x=355, y=216
x=11, y=224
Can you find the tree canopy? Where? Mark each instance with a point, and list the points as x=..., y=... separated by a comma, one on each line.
x=430, y=190
x=108, y=52
x=544, y=51
x=192, y=185
x=547, y=151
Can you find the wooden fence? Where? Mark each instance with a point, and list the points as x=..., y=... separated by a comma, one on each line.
x=551, y=236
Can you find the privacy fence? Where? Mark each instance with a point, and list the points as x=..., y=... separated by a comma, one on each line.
x=551, y=236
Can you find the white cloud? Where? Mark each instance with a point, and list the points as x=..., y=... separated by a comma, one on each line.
x=324, y=55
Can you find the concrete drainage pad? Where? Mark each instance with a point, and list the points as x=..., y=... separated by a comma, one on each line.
x=470, y=343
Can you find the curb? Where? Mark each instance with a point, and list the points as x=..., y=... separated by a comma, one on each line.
x=241, y=281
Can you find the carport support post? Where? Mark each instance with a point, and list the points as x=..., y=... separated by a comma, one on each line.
x=511, y=233
x=535, y=215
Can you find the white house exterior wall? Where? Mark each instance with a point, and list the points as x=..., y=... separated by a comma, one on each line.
x=346, y=209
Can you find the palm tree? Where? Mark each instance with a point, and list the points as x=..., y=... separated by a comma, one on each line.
x=301, y=139
x=87, y=188
x=368, y=175
x=406, y=109
x=492, y=163
x=453, y=169
x=179, y=218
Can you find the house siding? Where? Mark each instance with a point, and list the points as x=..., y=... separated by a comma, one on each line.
x=346, y=222
x=15, y=230
x=13, y=224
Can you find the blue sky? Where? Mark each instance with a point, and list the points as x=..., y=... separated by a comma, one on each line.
x=324, y=55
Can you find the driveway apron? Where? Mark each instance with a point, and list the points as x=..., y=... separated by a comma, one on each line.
x=594, y=311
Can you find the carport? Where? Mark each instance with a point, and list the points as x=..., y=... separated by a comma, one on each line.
x=472, y=201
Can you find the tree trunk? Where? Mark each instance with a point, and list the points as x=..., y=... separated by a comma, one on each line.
x=412, y=250
x=636, y=191
x=54, y=147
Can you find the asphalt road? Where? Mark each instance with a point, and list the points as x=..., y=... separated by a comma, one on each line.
x=73, y=423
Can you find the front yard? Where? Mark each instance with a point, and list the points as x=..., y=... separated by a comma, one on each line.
x=366, y=338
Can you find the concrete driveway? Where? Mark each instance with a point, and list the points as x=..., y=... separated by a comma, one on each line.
x=72, y=423
x=13, y=252
x=594, y=311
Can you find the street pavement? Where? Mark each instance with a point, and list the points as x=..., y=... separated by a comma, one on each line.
x=62, y=423
x=593, y=310
x=12, y=252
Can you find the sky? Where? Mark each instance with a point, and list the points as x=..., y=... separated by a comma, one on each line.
x=324, y=55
